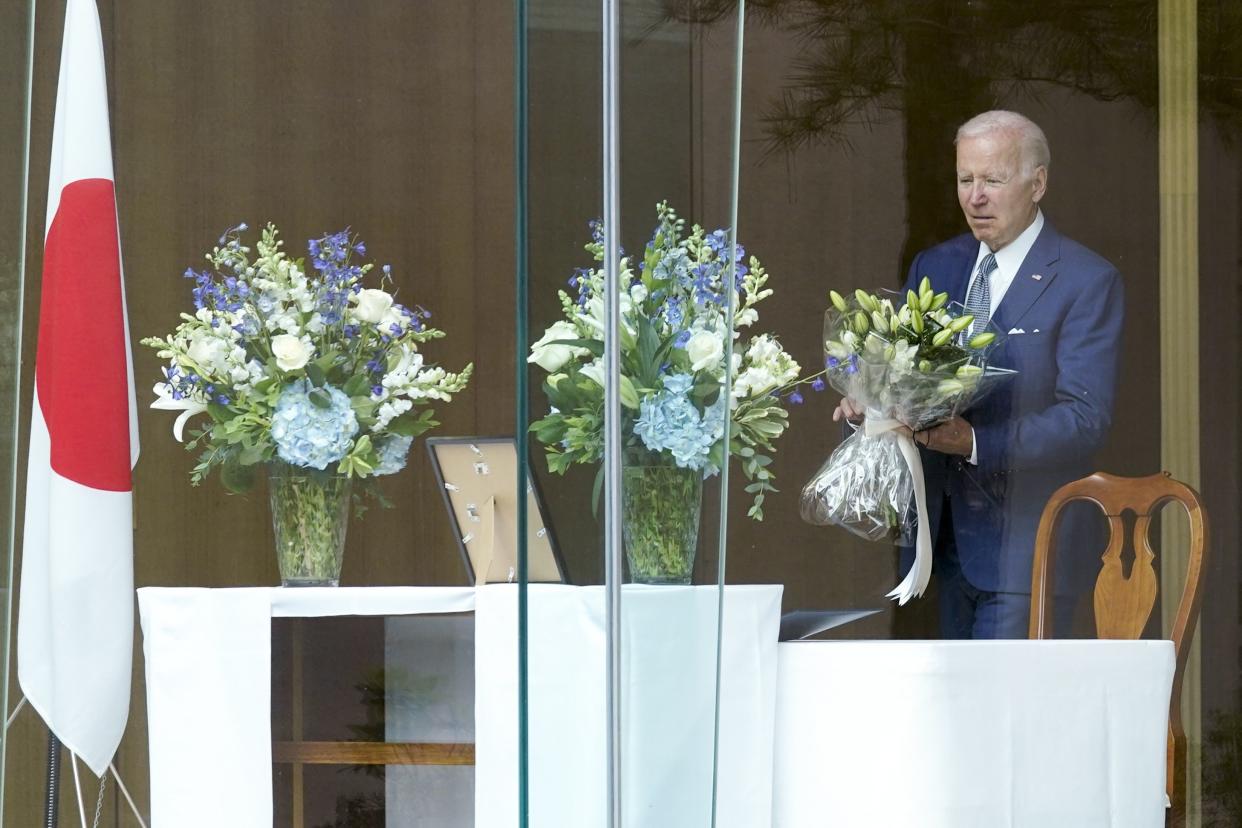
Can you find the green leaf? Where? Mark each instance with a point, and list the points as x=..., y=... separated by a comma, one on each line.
x=596, y=490
x=317, y=377
x=407, y=425
x=320, y=398
x=356, y=385
x=219, y=413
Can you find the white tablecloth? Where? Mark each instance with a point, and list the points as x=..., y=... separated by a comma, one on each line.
x=1014, y=734
x=208, y=667
x=668, y=699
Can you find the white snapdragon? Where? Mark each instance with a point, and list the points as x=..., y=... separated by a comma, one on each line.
x=388, y=412
x=754, y=381
x=315, y=325
x=206, y=350
x=745, y=318
x=405, y=372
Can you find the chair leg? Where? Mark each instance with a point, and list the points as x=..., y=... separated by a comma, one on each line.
x=1175, y=785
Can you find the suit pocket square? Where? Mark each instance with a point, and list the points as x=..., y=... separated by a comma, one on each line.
x=1015, y=331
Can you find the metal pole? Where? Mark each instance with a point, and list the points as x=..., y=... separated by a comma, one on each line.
x=522, y=393
x=727, y=390
x=612, y=397
x=53, y=780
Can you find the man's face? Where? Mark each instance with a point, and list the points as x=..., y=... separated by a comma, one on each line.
x=998, y=199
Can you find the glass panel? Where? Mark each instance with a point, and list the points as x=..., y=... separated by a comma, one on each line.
x=373, y=721
x=387, y=118
x=851, y=112
x=673, y=110
x=14, y=96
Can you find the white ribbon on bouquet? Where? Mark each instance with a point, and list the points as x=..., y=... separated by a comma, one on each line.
x=915, y=582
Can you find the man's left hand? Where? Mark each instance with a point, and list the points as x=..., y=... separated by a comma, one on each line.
x=952, y=437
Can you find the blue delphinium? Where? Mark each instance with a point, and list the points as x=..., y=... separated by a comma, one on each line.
x=669, y=421
x=307, y=435
x=392, y=454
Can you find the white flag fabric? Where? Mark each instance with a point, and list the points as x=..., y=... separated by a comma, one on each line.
x=75, y=622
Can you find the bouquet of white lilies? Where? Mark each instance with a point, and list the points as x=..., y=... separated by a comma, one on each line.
x=912, y=366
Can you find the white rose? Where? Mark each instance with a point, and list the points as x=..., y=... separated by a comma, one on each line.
x=552, y=358
x=372, y=305
x=291, y=353
x=704, y=350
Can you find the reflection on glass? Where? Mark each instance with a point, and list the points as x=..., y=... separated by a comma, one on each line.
x=373, y=721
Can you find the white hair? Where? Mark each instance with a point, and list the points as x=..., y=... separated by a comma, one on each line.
x=1031, y=140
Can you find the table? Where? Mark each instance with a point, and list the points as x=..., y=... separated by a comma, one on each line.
x=208, y=669
x=1020, y=734
x=667, y=705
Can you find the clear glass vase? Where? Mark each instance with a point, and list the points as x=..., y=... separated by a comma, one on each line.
x=310, y=513
x=660, y=508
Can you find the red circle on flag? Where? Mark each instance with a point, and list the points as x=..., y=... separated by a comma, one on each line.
x=80, y=368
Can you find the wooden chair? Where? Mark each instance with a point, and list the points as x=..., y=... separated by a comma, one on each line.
x=1124, y=605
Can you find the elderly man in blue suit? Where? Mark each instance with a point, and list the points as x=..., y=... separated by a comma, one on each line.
x=990, y=472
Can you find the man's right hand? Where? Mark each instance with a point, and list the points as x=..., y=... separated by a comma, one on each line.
x=848, y=409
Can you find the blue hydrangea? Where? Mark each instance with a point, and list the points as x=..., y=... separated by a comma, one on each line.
x=307, y=435
x=392, y=453
x=669, y=422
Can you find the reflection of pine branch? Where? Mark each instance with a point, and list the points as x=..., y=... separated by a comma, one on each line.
x=1222, y=768
x=383, y=690
x=359, y=811
x=860, y=59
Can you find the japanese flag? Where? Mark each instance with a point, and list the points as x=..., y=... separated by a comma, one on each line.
x=75, y=624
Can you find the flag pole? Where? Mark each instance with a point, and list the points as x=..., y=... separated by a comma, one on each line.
x=53, y=779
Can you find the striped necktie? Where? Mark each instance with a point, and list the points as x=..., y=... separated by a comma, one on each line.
x=979, y=297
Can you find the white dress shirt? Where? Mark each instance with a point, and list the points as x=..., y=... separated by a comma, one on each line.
x=1008, y=259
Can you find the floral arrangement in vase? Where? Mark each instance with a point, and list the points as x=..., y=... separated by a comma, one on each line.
x=301, y=367
x=677, y=426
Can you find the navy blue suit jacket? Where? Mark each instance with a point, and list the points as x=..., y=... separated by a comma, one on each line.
x=1040, y=429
